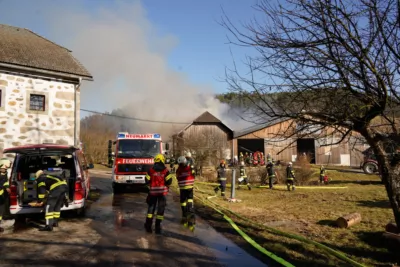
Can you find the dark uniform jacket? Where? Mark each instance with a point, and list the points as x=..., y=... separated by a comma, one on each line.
x=3, y=183
x=47, y=182
x=221, y=172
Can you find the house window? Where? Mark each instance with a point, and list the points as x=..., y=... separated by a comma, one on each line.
x=37, y=102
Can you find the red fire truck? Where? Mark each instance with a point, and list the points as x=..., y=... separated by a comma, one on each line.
x=134, y=156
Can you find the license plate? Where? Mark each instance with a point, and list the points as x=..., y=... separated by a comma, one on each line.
x=129, y=181
x=138, y=181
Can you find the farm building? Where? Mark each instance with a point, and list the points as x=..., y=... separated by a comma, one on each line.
x=267, y=138
x=206, y=137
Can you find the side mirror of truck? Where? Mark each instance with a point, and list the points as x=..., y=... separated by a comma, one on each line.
x=166, y=146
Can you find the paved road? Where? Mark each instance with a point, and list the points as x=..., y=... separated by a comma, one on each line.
x=112, y=234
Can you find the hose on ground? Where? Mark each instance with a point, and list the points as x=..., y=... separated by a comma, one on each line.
x=248, y=238
x=331, y=251
x=282, y=186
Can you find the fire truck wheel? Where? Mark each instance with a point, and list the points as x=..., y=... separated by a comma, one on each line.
x=116, y=188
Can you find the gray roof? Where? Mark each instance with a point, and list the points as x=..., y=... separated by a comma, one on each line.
x=257, y=127
x=207, y=117
x=22, y=47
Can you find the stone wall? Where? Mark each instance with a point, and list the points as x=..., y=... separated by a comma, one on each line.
x=19, y=125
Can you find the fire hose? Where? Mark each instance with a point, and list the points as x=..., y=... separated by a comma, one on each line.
x=243, y=234
x=278, y=186
x=330, y=251
x=246, y=237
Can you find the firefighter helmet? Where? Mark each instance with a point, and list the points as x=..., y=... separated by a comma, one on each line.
x=38, y=173
x=5, y=163
x=159, y=158
x=182, y=160
x=242, y=163
x=188, y=154
x=222, y=162
x=290, y=163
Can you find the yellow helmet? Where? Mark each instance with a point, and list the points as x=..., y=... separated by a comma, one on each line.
x=159, y=158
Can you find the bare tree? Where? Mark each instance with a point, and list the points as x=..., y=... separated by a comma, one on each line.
x=336, y=64
x=205, y=144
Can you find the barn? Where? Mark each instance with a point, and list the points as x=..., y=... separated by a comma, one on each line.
x=207, y=138
x=270, y=138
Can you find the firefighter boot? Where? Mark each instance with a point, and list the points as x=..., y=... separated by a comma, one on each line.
x=191, y=222
x=216, y=190
x=55, y=223
x=249, y=186
x=1, y=228
x=222, y=194
x=47, y=228
x=158, y=226
x=148, y=224
x=293, y=187
x=288, y=187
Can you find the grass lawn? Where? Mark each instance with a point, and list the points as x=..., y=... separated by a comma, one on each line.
x=311, y=213
x=101, y=167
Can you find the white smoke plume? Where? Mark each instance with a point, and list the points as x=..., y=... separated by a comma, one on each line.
x=128, y=60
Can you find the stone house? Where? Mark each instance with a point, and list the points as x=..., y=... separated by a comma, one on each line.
x=39, y=90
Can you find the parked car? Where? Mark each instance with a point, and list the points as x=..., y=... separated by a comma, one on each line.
x=31, y=158
x=370, y=164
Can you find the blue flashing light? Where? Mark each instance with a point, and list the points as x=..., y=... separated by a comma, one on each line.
x=156, y=135
x=121, y=135
x=54, y=169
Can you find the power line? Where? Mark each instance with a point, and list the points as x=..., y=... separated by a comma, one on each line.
x=131, y=118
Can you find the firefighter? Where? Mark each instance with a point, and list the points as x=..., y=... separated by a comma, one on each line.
x=186, y=178
x=3, y=187
x=158, y=179
x=241, y=157
x=57, y=188
x=221, y=172
x=271, y=174
x=322, y=173
x=269, y=157
x=243, y=180
x=290, y=177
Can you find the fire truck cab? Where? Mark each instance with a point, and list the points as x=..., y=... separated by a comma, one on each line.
x=133, y=157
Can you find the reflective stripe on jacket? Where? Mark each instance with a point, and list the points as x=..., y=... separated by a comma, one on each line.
x=242, y=171
x=48, y=183
x=3, y=182
x=158, y=179
x=290, y=173
x=221, y=174
x=185, y=177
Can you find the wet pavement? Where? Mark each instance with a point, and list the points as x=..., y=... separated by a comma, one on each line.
x=112, y=234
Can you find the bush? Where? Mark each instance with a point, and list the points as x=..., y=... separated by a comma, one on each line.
x=302, y=170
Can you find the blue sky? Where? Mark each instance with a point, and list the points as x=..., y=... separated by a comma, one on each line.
x=202, y=51
x=138, y=49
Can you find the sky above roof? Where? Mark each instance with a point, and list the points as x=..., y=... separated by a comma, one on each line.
x=141, y=50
